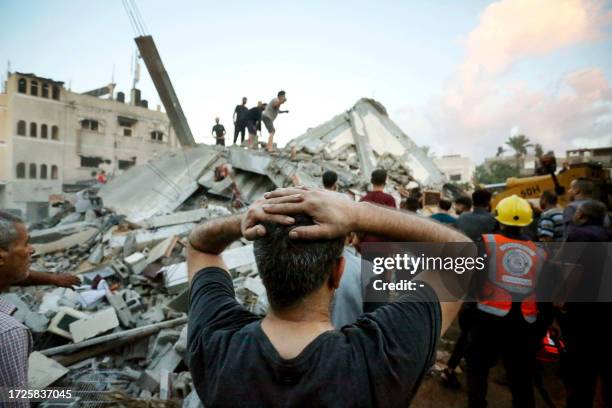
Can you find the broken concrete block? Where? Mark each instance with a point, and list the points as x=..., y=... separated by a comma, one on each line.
x=97, y=254
x=120, y=268
x=163, y=249
x=181, y=344
x=125, y=303
x=43, y=371
x=154, y=315
x=36, y=322
x=192, y=401
x=94, y=325
x=164, y=384
x=60, y=324
x=169, y=361
x=148, y=381
x=255, y=285
x=137, y=262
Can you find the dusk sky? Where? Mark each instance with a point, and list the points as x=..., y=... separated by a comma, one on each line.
x=459, y=76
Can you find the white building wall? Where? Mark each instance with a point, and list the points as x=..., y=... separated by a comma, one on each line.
x=108, y=142
x=456, y=168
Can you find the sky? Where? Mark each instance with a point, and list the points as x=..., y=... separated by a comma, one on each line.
x=460, y=77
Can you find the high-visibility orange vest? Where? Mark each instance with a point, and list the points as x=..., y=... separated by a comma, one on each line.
x=514, y=267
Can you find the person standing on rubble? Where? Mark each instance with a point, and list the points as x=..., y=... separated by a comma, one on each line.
x=252, y=119
x=269, y=116
x=239, y=123
x=15, y=338
x=294, y=355
x=219, y=132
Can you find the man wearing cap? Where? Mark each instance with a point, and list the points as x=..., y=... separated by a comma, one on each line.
x=508, y=323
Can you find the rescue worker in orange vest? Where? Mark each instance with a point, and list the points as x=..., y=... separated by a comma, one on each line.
x=507, y=322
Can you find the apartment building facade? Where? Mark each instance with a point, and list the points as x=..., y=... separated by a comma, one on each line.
x=51, y=137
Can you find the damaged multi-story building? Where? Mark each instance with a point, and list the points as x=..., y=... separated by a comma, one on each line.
x=51, y=137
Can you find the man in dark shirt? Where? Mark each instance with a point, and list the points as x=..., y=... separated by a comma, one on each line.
x=378, y=196
x=294, y=356
x=583, y=321
x=252, y=121
x=219, y=131
x=480, y=221
x=239, y=122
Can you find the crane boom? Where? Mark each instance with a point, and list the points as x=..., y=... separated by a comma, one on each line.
x=161, y=80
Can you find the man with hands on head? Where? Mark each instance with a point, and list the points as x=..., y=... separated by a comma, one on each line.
x=293, y=355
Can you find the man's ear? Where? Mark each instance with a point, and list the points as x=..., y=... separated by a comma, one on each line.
x=336, y=275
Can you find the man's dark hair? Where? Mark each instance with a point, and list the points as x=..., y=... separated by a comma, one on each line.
x=445, y=204
x=379, y=177
x=293, y=269
x=410, y=204
x=281, y=93
x=8, y=230
x=549, y=197
x=481, y=198
x=464, y=201
x=594, y=211
x=329, y=178
x=584, y=186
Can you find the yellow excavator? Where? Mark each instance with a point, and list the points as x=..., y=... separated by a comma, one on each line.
x=531, y=188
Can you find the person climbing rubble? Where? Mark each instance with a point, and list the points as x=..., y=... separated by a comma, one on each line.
x=269, y=116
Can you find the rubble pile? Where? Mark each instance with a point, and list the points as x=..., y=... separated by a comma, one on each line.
x=122, y=332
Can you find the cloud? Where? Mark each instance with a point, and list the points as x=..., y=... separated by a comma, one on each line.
x=482, y=106
x=513, y=29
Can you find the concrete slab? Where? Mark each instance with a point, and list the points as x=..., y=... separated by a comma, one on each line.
x=94, y=325
x=180, y=217
x=175, y=276
x=159, y=186
x=43, y=371
x=147, y=238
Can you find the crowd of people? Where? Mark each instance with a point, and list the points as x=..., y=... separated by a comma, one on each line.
x=250, y=119
x=321, y=339
x=322, y=344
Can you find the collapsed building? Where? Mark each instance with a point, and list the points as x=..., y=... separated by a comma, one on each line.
x=121, y=335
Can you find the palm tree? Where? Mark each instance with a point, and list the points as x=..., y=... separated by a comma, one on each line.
x=538, y=150
x=500, y=151
x=519, y=144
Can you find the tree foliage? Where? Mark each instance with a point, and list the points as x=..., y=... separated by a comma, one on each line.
x=498, y=172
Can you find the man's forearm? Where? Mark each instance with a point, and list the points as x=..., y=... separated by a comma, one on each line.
x=38, y=278
x=213, y=236
x=402, y=226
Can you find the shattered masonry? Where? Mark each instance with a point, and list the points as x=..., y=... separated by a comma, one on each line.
x=124, y=329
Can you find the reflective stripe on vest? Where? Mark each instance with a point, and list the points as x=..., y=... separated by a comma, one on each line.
x=514, y=267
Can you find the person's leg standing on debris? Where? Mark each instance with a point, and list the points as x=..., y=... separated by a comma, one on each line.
x=269, y=115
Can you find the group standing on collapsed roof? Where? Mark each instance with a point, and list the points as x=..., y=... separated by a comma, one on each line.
x=250, y=120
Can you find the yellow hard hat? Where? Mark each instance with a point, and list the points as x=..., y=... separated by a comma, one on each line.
x=514, y=211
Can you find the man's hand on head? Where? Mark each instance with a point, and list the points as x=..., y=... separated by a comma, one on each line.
x=334, y=214
x=251, y=222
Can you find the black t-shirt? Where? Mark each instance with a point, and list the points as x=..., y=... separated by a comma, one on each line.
x=379, y=360
x=218, y=130
x=240, y=111
x=253, y=114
